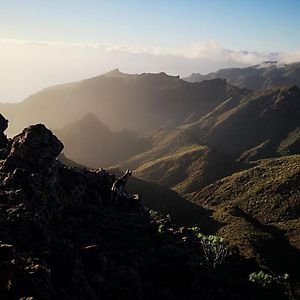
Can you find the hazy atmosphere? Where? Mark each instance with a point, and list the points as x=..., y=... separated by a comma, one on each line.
x=149, y=149
x=43, y=43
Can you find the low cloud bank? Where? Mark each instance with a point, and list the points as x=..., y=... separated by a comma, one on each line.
x=31, y=65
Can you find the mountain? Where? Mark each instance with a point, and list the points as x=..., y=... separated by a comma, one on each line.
x=262, y=76
x=260, y=125
x=91, y=143
x=141, y=103
x=62, y=238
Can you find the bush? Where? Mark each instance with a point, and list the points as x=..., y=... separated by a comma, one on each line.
x=214, y=248
x=272, y=283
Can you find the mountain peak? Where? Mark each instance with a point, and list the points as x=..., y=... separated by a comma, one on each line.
x=160, y=75
x=90, y=121
x=267, y=74
x=268, y=64
x=116, y=73
x=89, y=116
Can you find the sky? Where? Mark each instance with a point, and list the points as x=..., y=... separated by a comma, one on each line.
x=43, y=43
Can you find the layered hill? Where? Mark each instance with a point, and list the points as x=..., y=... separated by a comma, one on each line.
x=260, y=125
x=141, y=103
x=91, y=143
x=262, y=76
x=62, y=238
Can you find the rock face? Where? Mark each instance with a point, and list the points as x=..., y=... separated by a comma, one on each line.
x=35, y=147
x=61, y=238
x=3, y=138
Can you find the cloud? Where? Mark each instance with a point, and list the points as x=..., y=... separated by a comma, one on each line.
x=204, y=50
x=31, y=65
x=289, y=57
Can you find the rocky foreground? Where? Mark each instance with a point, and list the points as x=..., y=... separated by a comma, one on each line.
x=62, y=238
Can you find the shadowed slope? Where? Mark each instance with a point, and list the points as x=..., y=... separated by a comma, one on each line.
x=91, y=143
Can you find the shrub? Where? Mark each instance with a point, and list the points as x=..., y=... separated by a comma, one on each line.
x=273, y=283
x=214, y=248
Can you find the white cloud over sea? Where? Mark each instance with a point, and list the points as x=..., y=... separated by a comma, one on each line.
x=30, y=65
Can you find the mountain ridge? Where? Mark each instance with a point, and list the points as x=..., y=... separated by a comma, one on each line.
x=143, y=102
x=257, y=77
x=191, y=157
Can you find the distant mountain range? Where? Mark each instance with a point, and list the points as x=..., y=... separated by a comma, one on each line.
x=260, y=125
x=140, y=103
x=262, y=76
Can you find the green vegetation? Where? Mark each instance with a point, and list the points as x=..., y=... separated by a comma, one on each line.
x=214, y=247
x=259, y=212
x=266, y=280
x=291, y=141
x=271, y=283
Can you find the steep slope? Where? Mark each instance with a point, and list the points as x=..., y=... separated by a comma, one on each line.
x=260, y=125
x=266, y=75
x=263, y=124
x=188, y=169
x=259, y=209
x=62, y=238
x=141, y=103
x=91, y=143
x=68, y=162
x=167, y=202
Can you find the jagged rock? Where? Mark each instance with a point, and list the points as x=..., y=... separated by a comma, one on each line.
x=3, y=138
x=35, y=147
x=3, y=124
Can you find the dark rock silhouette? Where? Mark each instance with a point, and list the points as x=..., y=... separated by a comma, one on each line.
x=35, y=147
x=3, y=138
x=61, y=238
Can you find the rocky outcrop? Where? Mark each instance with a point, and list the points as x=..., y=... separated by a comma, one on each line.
x=3, y=138
x=61, y=238
x=35, y=147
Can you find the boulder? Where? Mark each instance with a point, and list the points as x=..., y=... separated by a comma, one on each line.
x=36, y=147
